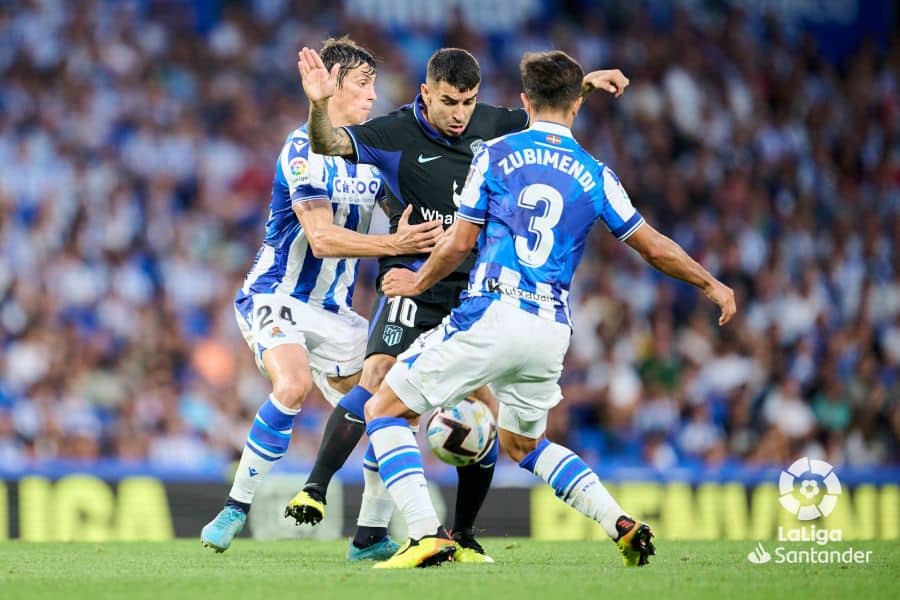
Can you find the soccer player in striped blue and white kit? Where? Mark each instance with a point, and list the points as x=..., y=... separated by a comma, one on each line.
x=529, y=202
x=294, y=308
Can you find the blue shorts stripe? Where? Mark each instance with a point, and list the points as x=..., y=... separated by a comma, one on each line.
x=378, y=310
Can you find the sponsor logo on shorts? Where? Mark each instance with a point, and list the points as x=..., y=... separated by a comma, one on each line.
x=392, y=335
x=276, y=332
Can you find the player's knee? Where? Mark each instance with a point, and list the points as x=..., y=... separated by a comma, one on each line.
x=374, y=370
x=291, y=390
x=374, y=407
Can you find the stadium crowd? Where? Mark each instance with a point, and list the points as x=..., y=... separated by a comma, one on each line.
x=136, y=160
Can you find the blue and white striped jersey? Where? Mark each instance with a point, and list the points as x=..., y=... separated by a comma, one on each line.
x=285, y=263
x=538, y=192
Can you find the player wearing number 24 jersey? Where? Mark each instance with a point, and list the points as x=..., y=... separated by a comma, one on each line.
x=294, y=308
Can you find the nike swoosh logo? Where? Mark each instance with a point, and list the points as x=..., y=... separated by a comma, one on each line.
x=423, y=160
x=353, y=419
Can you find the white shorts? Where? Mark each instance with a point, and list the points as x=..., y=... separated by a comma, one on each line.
x=518, y=353
x=335, y=343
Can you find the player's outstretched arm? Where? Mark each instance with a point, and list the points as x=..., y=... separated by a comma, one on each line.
x=453, y=248
x=319, y=85
x=608, y=80
x=329, y=240
x=670, y=258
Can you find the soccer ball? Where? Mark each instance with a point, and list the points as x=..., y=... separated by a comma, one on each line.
x=461, y=435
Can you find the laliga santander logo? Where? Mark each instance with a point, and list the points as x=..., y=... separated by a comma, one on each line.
x=809, y=489
x=810, y=475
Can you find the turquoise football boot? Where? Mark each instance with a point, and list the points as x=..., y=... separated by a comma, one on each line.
x=219, y=532
x=382, y=550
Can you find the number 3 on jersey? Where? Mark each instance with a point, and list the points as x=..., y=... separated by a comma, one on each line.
x=540, y=225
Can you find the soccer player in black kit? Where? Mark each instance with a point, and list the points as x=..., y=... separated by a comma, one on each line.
x=423, y=151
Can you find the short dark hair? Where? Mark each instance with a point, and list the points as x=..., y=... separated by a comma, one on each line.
x=348, y=54
x=551, y=79
x=455, y=66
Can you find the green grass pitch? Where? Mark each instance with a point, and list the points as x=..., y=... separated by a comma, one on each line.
x=524, y=569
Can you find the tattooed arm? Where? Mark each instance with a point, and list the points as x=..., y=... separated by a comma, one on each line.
x=319, y=85
x=325, y=139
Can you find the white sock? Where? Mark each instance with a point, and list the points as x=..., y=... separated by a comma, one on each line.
x=267, y=442
x=377, y=505
x=400, y=467
x=575, y=483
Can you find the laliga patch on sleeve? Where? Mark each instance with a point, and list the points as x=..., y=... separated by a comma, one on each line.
x=299, y=170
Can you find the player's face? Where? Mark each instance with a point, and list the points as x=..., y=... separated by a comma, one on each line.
x=448, y=109
x=354, y=98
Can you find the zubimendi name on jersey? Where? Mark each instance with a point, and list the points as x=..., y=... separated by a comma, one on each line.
x=552, y=158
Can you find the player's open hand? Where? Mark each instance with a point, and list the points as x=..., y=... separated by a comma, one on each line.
x=318, y=83
x=723, y=296
x=608, y=80
x=416, y=239
x=399, y=282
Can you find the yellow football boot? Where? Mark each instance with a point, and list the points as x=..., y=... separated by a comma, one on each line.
x=306, y=508
x=426, y=551
x=634, y=541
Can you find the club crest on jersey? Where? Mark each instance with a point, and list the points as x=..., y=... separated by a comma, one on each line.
x=392, y=335
x=276, y=332
x=475, y=145
x=554, y=139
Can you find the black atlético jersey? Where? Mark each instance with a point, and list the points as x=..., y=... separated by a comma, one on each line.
x=421, y=166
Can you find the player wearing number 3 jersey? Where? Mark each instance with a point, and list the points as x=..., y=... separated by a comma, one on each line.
x=529, y=202
x=423, y=151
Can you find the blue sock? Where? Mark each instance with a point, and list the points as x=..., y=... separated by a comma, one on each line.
x=490, y=459
x=267, y=442
x=574, y=483
x=354, y=401
x=400, y=466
